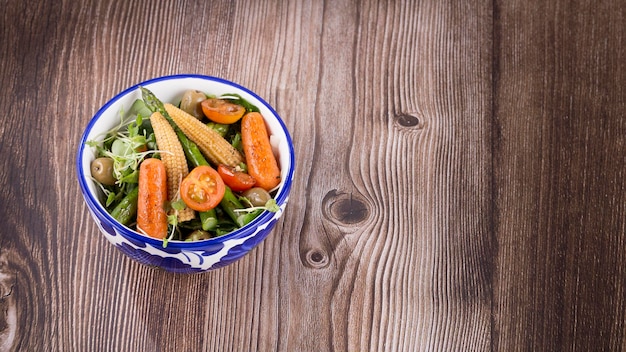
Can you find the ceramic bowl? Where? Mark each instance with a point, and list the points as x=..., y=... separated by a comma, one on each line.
x=180, y=256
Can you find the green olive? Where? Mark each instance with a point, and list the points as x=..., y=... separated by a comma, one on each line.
x=102, y=171
x=257, y=196
x=191, y=103
x=198, y=235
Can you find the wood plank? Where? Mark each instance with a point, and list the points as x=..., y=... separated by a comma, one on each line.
x=399, y=271
x=559, y=98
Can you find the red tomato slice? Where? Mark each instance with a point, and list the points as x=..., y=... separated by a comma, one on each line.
x=237, y=181
x=202, y=189
x=221, y=111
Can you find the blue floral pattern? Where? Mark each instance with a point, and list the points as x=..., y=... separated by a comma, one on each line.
x=187, y=260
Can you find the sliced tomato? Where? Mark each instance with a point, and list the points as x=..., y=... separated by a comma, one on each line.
x=222, y=111
x=238, y=181
x=202, y=189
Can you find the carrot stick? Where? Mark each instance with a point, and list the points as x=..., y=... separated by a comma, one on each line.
x=151, y=215
x=261, y=162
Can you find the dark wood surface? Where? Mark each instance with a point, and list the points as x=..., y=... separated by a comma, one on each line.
x=460, y=179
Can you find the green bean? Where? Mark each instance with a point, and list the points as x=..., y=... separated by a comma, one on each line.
x=209, y=220
x=126, y=210
x=221, y=129
x=239, y=100
x=230, y=204
x=192, y=152
x=153, y=104
x=247, y=217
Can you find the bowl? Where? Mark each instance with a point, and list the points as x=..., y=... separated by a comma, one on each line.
x=181, y=256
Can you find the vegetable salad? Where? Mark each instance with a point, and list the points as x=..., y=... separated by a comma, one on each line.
x=195, y=170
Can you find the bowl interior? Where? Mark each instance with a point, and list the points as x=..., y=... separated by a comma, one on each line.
x=171, y=89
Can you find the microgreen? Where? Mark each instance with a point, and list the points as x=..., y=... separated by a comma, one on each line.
x=173, y=221
x=127, y=144
x=270, y=206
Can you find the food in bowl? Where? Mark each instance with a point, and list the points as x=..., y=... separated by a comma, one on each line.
x=172, y=175
x=186, y=171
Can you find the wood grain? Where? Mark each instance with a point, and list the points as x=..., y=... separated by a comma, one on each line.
x=459, y=183
x=560, y=176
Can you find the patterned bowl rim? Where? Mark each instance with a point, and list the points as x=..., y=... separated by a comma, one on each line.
x=96, y=206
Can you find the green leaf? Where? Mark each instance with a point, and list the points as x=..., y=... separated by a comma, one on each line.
x=236, y=142
x=139, y=108
x=110, y=199
x=272, y=206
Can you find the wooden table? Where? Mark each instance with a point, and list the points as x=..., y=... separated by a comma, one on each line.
x=460, y=178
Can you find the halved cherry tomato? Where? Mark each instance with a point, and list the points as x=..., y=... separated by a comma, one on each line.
x=237, y=181
x=221, y=111
x=202, y=189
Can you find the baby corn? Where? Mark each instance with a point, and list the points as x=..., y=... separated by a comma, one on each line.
x=173, y=157
x=212, y=145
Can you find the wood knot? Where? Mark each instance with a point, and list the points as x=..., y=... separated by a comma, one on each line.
x=316, y=258
x=344, y=208
x=8, y=305
x=409, y=120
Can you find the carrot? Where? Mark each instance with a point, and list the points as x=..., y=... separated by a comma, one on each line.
x=261, y=162
x=151, y=215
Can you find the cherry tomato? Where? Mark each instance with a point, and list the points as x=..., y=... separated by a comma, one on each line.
x=237, y=181
x=221, y=111
x=202, y=189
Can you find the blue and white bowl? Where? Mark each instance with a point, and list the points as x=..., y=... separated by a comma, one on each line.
x=180, y=256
